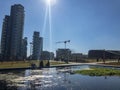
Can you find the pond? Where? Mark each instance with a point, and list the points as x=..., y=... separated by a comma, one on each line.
x=61, y=78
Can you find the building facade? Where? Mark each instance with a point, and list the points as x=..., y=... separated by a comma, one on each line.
x=63, y=54
x=17, y=25
x=46, y=55
x=37, y=46
x=12, y=33
x=5, y=38
x=78, y=57
x=24, y=48
x=104, y=54
x=41, y=46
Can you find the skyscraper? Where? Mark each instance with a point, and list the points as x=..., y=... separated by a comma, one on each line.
x=17, y=25
x=5, y=38
x=41, y=46
x=24, y=48
x=12, y=33
x=37, y=46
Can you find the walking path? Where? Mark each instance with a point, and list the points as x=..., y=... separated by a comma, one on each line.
x=73, y=64
x=77, y=64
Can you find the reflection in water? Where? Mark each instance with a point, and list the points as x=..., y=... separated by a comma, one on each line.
x=47, y=79
x=27, y=73
x=105, y=77
x=62, y=79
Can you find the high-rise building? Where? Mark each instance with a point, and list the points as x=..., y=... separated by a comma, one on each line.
x=41, y=46
x=17, y=25
x=37, y=46
x=24, y=48
x=12, y=33
x=5, y=38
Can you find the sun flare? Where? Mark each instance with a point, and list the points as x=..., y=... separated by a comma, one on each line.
x=50, y=2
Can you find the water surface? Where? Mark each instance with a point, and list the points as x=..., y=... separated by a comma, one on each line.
x=64, y=79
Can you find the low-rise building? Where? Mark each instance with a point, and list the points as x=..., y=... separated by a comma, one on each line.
x=45, y=55
x=104, y=54
x=63, y=54
x=77, y=57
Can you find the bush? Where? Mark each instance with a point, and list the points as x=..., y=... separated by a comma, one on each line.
x=99, y=72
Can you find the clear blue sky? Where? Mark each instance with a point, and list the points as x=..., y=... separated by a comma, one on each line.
x=89, y=24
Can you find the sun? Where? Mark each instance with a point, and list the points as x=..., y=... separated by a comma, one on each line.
x=50, y=2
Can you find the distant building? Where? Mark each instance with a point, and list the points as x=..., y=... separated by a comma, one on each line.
x=106, y=54
x=1, y=57
x=12, y=33
x=24, y=48
x=63, y=54
x=37, y=46
x=41, y=45
x=78, y=57
x=45, y=55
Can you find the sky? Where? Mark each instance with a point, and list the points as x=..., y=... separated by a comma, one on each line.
x=89, y=24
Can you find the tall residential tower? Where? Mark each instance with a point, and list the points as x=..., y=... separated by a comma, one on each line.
x=24, y=48
x=37, y=46
x=5, y=38
x=17, y=24
x=12, y=33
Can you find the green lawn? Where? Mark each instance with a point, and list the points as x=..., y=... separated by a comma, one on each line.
x=14, y=64
x=112, y=63
x=25, y=64
x=99, y=72
x=56, y=63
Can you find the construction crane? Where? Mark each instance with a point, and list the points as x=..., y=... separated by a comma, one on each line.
x=65, y=42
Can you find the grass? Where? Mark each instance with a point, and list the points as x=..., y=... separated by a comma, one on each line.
x=18, y=64
x=99, y=72
x=25, y=64
x=56, y=63
x=113, y=63
x=14, y=64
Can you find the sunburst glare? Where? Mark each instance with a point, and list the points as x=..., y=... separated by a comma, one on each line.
x=50, y=2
